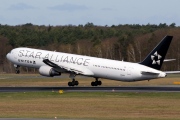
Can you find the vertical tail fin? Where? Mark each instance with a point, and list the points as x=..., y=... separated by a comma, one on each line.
x=156, y=56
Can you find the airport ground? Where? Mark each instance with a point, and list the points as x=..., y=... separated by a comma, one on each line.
x=35, y=80
x=88, y=105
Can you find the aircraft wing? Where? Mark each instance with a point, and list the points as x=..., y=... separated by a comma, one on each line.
x=70, y=68
x=53, y=65
x=148, y=73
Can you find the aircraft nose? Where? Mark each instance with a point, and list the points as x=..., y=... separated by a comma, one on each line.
x=8, y=56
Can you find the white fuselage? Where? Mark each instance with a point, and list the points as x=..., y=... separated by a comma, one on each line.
x=101, y=68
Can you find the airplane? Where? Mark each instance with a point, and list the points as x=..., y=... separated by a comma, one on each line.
x=52, y=63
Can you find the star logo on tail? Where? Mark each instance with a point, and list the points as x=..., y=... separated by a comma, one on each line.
x=156, y=58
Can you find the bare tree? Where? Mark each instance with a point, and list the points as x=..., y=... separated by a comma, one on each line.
x=131, y=53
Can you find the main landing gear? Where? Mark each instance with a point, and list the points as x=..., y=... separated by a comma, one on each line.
x=17, y=71
x=96, y=83
x=74, y=82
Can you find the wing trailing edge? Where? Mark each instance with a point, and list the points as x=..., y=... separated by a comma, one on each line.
x=69, y=68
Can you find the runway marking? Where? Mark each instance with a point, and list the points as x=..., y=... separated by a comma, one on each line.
x=61, y=91
x=177, y=83
x=94, y=89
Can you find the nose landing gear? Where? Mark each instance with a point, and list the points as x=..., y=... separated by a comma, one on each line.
x=17, y=71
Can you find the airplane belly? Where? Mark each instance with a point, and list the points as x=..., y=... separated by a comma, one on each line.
x=111, y=74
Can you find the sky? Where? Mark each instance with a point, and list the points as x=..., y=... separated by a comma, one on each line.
x=98, y=12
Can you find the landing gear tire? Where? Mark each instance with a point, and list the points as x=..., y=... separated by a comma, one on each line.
x=92, y=83
x=69, y=83
x=76, y=83
x=73, y=83
x=17, y=71
x=99, y=82
x=96, y=83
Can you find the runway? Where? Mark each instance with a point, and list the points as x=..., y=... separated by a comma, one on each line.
x=95, y=89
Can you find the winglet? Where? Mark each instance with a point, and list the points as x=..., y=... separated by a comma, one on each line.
x=156, y=56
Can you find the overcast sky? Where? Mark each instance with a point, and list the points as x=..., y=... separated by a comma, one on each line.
x=99, y=12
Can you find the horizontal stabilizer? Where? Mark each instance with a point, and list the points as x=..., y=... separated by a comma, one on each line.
x=148, y=73
x=168, y=60
x=172, y=72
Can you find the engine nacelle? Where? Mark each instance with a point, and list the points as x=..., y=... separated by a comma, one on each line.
x=48, y=71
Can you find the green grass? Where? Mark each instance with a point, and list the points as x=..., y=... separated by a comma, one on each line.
x=66, y=94
x=90, y=105
x=87, y=105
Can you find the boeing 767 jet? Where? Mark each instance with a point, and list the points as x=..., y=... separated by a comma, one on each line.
x=51, y=63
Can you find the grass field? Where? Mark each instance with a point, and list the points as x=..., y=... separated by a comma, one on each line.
x=87, y=105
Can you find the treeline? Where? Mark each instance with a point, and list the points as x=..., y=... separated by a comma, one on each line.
x=119, y=42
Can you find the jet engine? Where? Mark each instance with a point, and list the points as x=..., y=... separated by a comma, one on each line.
x=48, y=71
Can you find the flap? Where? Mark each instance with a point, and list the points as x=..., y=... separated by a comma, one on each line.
x=70, y=67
